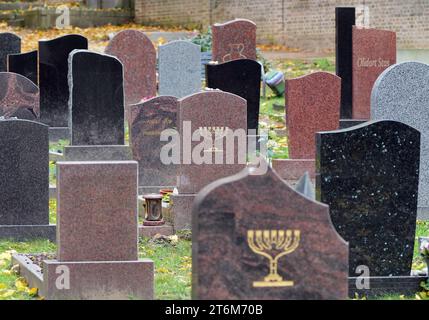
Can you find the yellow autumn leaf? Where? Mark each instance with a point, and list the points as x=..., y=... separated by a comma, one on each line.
x=2, y=286
x=6, y=272
x=21, y=285
x=163, y=270
x=6, y=294
x=33, y=292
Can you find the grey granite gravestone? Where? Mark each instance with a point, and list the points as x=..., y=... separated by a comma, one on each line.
x=401, y=93
x=179, y=69
x=9, y=43
x=24, y=180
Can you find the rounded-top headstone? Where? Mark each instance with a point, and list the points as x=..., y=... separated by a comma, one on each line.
x=9, y=43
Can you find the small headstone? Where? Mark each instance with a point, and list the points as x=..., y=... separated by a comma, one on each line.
x=262, y=235
x=149, y=120
x=234, y=40
x=401, y=93
x=240, y=77
x=368, y=175
x=19, y=97
x=305, y=187
x=138, y=56
x=179, y=69
x=9, y=43
x=24, y=64
x=53, y=83
x=373, y=52
x=96, y=101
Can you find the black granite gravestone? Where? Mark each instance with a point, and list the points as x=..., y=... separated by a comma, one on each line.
x=240, y=77
x=53, y=68
x=345, y=19
x=369, y=176
x=24, y=64
x=9, y=43
x=96, y=103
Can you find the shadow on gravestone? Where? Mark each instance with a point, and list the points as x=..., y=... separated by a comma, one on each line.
x=19, y=97
x=268, y=242
x=9, y=43
x=401, y=93
x=24, y=64
x=305, y=187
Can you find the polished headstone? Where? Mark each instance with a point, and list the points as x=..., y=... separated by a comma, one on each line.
x=53, y=83
x=368, y=175
x=96, y=101
x=267, y=241
x=373, y=52
x=9, y=43
x=240, y=77
x=234, y=40
x=138, y=56
x=149, y=120
x=19, y=97
x=401, y=93
x=179, y=69
x=345, y=19
x=24, y=173
x=24, y=64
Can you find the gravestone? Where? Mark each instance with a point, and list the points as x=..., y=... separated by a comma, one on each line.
x=401, y=93
x=312, y=105
x=373, y=52
x=204, y=114
x=368, y=175
x=19, y=97
x=96, y=235
x=24, y=181
x=24, y=64
x=9, y=43
x=138, y=56
x=149, y=120
x=240, y=77
x=345, y=19
x=179, y=69
x=262, y=235
x=234, y=40
x=53, y=83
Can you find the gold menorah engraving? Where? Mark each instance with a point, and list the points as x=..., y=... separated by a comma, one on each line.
x=273, y=245
x=207, y=133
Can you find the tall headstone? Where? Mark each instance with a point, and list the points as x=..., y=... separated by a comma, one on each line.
x=149, y=120
x=240, y=77
x=373, y=52
x=179, y=69
x=24, y=180
x=24, y=64
x=19, y=97
x=138, y=56
x=401, y=93
x=9, y=43
x=262, y=235
x=368, y=175
x=234, y=40
x=53, y=83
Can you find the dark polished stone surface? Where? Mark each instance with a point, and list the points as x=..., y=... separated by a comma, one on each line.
x=24, y=173
x=9, y=43
x=369, y=175
x=53, y=69
x=24, y=64
x=345, y=19
x=240, y=220
x=241, y=77
x=96, y=101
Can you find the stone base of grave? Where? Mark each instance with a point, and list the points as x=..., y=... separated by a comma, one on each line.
x=153, y=189
x=89, y=280
x=29, y=232
x=292, y=170
x=151, y=231
x=59, y=133
x=380, y=286
x=348, y=123
x=423, y=214
x=52, y=192
x=97, y=153
x=181, y=210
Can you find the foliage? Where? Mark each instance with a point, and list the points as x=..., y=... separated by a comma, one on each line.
x=204, y=39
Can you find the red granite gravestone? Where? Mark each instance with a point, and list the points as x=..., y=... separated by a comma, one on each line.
x=255, y=238
x=234, y=40
x=137, y=53
x=373, y=52
x=312, y=105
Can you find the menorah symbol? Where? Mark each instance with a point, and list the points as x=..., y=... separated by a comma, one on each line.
x=273, y=245
x=236, y=52
x=207, y=133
